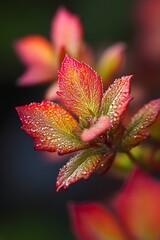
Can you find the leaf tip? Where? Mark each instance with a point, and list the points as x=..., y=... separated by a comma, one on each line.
x=61, y=184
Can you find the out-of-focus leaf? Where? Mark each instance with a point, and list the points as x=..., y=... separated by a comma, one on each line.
x=36, y=75
x=115, y=100
x=67, y=32
x=138, y=206
x=93, y=222
x=80, y=88
x=38, y=54
x=35, y=50
x=122, y=165
x=52, y=127
x=111, y=62
x=146, y=157
x=80, y=167
x=137, y=130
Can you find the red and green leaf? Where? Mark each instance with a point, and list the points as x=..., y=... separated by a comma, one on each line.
x=80, y=167
x=93, y=222
x=116, y=99
x=137, y=130
x=111, y=62
x=138, y=206
x=80, y=88
x=52, y=127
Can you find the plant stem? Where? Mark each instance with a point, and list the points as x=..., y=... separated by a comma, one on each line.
x=132, y=157
x=135, y=160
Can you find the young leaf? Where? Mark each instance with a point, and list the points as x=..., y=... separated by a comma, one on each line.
x=137, y=130
x=80, y=88
x=100, y=127
x=67, y=32
x=36, y=75
x=35, y=50
x=80, y=167
x=93, y=222
x=111, y=62
x=38, y=54
x=52, y=127
x=115, y=100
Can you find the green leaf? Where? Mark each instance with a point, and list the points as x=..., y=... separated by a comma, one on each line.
x=137, y=129
x=115, y=100
x=80, y=167
x=111, y=62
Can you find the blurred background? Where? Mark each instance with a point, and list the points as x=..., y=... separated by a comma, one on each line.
x=30, y=208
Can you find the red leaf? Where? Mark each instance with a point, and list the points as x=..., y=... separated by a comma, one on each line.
x=52, y=127
x=137, y=130
x=35, y=50
x=138, y=206
x=67, y=32
x=116, y=99
x=80, y=167
x=38, y=54
x=94, y=222
x=36, y=75
x=80, y=88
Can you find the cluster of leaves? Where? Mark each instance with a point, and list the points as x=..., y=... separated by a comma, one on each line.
x=95, y=128
x=133, y=213
x=91, y=123
x=43, y=58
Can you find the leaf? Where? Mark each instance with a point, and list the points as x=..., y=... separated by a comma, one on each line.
x=106, y=163
x=67, y=32
x=96, y=130
x=116, y=99
x=36, y=75
x=80, y=167
x=35, y=50
x=138, y=206
x=80, y=88
x=91, y=221
x=137, y=130
x=154, y=129
x=52, y=127
x=38, y=54
x=111, y=62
